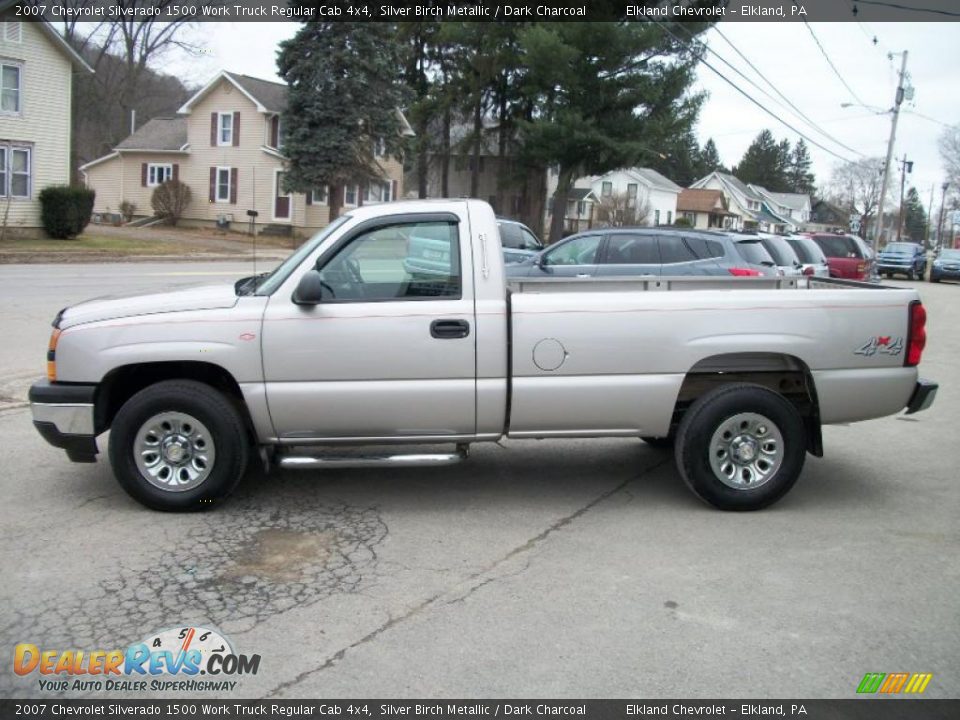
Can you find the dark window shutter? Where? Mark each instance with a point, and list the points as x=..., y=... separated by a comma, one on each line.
x=213, y=128
x=233, y=186
x=309, y=196
x=236, y=129
x=393, y=194
x=176, y=171
x=143, y=174
x=213, y=184
x=275, y=131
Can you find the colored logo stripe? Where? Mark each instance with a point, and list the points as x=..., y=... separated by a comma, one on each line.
x=894, y=683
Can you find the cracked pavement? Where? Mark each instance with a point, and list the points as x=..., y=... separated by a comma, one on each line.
x=578, y=568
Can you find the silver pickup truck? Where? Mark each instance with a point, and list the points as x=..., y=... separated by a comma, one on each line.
x=351, y=341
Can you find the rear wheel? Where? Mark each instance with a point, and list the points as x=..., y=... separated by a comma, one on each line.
x=741, y=447
x=178, y=445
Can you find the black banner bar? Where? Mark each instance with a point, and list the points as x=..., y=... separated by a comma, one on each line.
x=854, y=709
x=490, y=10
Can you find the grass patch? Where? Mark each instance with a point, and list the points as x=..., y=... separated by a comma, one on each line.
x=97, y=244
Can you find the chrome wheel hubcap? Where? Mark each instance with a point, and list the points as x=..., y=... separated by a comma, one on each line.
x=746, y=451
x=174, y=451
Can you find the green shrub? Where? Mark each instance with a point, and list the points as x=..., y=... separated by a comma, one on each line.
x=682, y=222
x=65, y=211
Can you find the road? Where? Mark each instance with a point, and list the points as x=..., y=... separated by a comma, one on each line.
x=537, y=569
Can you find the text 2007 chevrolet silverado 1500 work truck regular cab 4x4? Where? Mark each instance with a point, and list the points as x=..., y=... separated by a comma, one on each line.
x=347, y=342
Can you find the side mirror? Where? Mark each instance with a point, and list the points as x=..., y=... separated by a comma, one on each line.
x=309, y=290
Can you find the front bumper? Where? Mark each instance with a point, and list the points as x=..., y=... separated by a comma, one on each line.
x=64, y=416
x=923, y=394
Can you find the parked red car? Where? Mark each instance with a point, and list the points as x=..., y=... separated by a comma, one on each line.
x=847, y=256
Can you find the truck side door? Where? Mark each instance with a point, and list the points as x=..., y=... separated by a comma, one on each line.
x=390, y=351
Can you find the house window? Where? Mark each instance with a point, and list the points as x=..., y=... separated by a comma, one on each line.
x=379, y=147
x=320, y=195
x=350, y=195
x=15, y=171
x=606, y=189
x=223, y=184
x=656, y=217
x=581, y=208
x=376, y=192
x=158, y=174
x=632, y=195
x=10, y=88
x=669, y=217
x=225, y=129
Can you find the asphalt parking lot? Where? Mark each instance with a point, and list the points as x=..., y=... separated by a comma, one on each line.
x=537, y=569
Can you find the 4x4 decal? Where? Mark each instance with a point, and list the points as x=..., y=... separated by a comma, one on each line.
x=881, y=344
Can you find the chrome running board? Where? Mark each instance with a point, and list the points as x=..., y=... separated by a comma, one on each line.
x=310, y=462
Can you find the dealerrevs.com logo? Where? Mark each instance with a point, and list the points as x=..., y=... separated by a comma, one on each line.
x=170, y=660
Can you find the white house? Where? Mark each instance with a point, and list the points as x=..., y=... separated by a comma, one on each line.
x=642, y=188
x=793, y=207
x=750, y=210
x=36, y=74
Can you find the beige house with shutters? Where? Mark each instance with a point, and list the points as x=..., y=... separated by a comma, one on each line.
x=36, y=81
x=225, y=145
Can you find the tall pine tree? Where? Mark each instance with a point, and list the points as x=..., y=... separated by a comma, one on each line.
x=345, y=90
x=598, y=107
x=914, y=218
x=764, y=162
x=799, y=177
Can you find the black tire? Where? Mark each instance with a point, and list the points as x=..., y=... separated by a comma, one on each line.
x=660, y=443
x=197, y=400
x=708, y=414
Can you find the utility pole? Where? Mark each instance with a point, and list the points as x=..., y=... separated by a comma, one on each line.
x=943, y=201
x=906, y=166
x=926, y=242
x=898, y=99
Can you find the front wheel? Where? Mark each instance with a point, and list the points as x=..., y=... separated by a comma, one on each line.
x=178, y=445
x=741, y=447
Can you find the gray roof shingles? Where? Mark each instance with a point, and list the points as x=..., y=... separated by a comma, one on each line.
x=159, y=133
x=273, y=96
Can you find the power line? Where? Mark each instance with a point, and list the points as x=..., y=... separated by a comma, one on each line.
x=797, y=110
x=830, y=63
x=911, y=8
x=754, y=101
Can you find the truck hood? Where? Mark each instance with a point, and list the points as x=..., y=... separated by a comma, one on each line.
x=206, y=297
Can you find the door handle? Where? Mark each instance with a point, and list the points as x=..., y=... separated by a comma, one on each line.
x=449, y=329
x=583, y=274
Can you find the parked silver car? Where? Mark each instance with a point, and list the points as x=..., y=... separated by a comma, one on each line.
x=788, y=264
x=650, y=252
x=813, y=261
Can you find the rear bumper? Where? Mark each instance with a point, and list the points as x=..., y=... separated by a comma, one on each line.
x=923, y=395
x=64, y=417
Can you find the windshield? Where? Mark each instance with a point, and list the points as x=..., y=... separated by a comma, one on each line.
x=950, y=254
x=900, y=247
x=275, y=279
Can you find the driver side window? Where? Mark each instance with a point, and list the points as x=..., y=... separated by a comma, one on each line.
x=410, y=261
x=579, y=251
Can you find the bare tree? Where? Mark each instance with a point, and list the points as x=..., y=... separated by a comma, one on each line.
x=949, y=144
x=125, y=54
x=855, y=186
x=619, y=210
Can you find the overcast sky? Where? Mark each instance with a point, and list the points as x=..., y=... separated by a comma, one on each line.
x=786, y=54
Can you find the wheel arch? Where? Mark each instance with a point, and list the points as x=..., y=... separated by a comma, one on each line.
x=782, y=373
x=125, y=381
